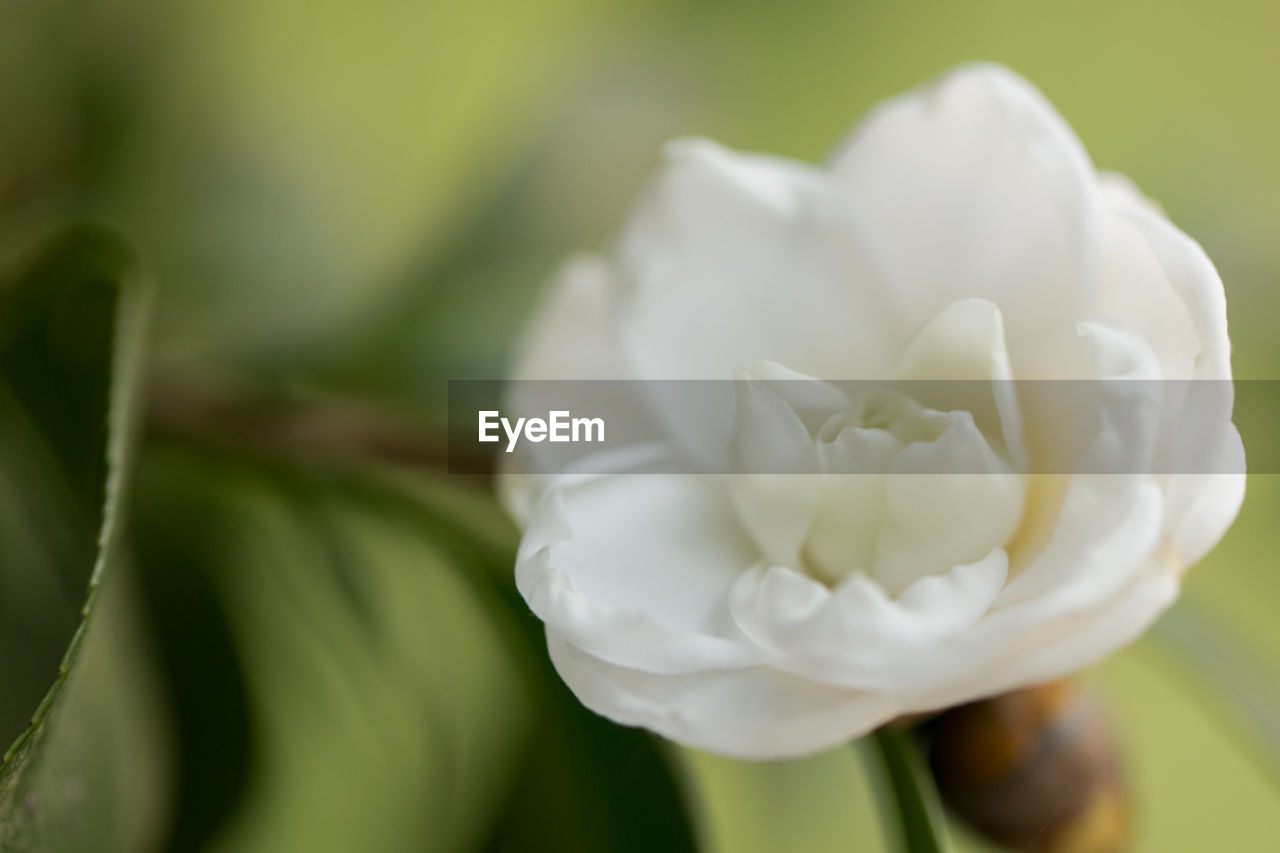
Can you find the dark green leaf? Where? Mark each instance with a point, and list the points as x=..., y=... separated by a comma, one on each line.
x=383, y=686
x=71, y=336
x=909, y=800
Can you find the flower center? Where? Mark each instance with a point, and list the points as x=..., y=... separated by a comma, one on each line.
x=897, y=491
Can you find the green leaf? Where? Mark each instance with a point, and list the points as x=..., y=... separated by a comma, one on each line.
x=71, y=338
x=283, y=197
x=383, y=701
x=909, y=801
x=389, y=690
x=585, y=784
x=1197, y=776
x=821, y=804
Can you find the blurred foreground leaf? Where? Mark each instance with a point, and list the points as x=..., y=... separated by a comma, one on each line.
x=85, y=773
x=381, y=700
x=382, y=687
x=821, y=804
x=283, y=159
x=1193, y=770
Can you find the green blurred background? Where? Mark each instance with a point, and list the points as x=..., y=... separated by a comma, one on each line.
x=347, y=204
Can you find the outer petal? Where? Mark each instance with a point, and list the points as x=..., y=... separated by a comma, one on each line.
x=1088, y=614
x=1076, y=640
x=1063, y=646
x=636, y=569
x=1135, y=292
x=734, y=258
x=572, y=333
x=1107, y=528
x=975, y=187
x=1111, y=440
x=572, y=336
x=1200, y=506
x=763, y=712
x=1189, y=273
x=755, y=713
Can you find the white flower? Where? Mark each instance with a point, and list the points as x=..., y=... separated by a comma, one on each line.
x=960, y=233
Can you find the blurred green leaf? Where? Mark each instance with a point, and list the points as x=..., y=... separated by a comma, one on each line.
x=582, y=776
x=283, y=158
x=393, y=692
x=825, y=803
x=383, y=702
x=71, y=335
x=1195, y=782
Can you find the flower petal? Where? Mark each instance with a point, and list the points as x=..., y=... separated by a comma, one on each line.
x=855, y=463
x=856, y=636
x=1106, y=527
x=777, y=494
x=754, y=713
x=1189, y=273
x=975, y=187
x=1040, y=648
x=636, y=569
x=1200, y=506
x=570, y=337
x=1091, y=610
x=936, y=520
x=1135, y=292
x=571, y=333
x=735, y=258
x=966, y=341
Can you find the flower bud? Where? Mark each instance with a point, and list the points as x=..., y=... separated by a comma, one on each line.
x=1035, y=769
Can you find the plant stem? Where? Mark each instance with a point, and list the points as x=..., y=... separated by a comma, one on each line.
x=908, y=797
x=315, y=431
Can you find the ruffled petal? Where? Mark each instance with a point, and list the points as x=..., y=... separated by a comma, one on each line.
x=1067, y=624
x=966, y=342
x=975, y=187
x=571, y=336
x=636, y=569
x=734, y=258
x=1188, y=272
x=777, y=494
x=1201, y=506
x=1135, y=292
x=754, y=713
x=936, y=520
x=856, y=636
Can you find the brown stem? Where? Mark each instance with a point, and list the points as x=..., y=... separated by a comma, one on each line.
x=319, y=431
